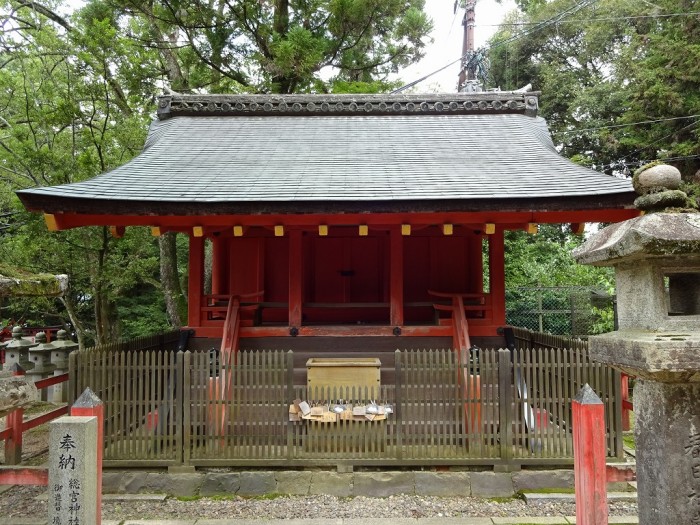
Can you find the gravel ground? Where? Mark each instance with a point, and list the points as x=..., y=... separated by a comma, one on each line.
x=23, y=502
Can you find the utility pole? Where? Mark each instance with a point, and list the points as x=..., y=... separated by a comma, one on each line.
x=468, y=71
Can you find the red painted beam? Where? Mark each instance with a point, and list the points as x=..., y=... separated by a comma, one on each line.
x=621, y=472
x=476, y=328
x=50, y=381
x=24, y=476
x=44, y=418
x=184, y=223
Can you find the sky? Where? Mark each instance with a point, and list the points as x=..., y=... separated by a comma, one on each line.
x=447, y=41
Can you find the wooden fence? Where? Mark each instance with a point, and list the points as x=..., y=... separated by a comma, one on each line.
x=167, y=408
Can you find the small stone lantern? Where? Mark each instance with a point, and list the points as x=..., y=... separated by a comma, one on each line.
x=17, y=350
x=40, y=357
x=62, y=346
x=657, y=269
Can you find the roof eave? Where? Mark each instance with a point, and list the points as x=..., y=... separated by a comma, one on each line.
x=38, y=202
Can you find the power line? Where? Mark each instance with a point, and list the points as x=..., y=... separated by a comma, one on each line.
x=539, y=26
x=597, y=19
x=612, y=126
x=643, y=162
x=655, y=141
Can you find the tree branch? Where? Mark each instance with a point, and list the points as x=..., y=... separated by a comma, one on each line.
x=45, y=11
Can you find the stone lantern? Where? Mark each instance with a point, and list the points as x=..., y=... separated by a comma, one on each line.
x=657, y=269
x=17, y=350
x=62, y=346
x=40, y=357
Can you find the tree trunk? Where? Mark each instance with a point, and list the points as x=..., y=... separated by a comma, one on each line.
x=169, y=278
x=67, y=301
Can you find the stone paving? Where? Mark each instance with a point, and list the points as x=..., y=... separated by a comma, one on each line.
x=569, y=520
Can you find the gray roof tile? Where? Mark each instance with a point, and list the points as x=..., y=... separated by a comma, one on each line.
x=343, y=158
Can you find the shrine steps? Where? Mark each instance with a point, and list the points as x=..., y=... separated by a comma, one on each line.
x=382, y=348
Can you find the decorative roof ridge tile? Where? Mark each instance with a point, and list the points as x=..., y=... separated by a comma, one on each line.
x=497, y=102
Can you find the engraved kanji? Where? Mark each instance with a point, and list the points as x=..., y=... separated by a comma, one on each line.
x=67, y=442
x=693, y=446
x=66, y=462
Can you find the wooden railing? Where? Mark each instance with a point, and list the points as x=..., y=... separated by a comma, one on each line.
x=158, y=411
x=15, y=426
x=530, y=339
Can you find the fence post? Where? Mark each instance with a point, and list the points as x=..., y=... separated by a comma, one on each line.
x=290, y=398
x=589, y=458
x=505, y=398
x=398, y=404
x=183, y=406
x=88, y=404
x=14, y=421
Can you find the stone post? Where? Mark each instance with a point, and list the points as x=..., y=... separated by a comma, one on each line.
x=59, y=358
x=17, y=350
x=73, y=471
x=657, y=268
x=88, y=404
x=40, y=356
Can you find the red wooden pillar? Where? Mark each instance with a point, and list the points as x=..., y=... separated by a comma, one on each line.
x=14, y=421
x=396, y=277
x=219, y=265
x=497, y=276
x=626, y=403
x=295, y=278
x=195, y=286
x=88, y=404
x=475, y=269
x=589, y=458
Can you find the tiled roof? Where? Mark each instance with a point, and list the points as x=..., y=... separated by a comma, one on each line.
x=231, y=155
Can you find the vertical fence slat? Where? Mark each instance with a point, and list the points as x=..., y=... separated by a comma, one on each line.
x=435, y=397
x=183, y=390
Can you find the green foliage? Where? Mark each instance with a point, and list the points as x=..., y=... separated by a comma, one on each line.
x=278, y=46
x=603, y=70
x=77, y=93
x=604, y=320
x=547, y=289
x=545, y=260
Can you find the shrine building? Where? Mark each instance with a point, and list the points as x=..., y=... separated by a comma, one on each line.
x=372, y=216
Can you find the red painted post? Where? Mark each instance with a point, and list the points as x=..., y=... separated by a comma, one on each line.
x=14, y=421
x=295, y=278
x=626, y=404
x=497, y=277
x=13, y=444
x=88, y=404
x=590, y=475
x=396, y=278
x=195, y=286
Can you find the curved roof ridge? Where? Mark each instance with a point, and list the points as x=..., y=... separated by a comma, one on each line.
x=490, y=102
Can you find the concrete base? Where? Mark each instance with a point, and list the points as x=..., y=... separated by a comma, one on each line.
x=307, y=482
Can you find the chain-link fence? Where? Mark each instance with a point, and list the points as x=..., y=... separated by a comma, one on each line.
x=572, y=310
